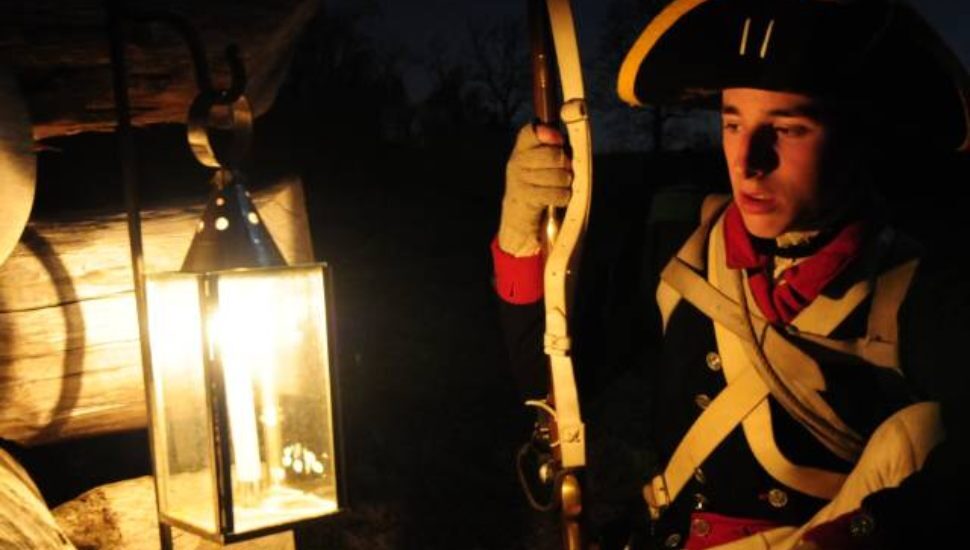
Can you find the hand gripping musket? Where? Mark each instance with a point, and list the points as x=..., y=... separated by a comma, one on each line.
x=565, y=430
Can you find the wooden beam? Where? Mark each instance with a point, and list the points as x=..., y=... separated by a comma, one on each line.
x=69, y=359
x=25, y=521
x=122, y=516
x=59, y=51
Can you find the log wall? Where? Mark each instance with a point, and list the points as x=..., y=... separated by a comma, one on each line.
x=25, y=521
x=58, y=49
x=69, y=354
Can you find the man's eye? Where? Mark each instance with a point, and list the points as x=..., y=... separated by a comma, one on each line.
x=791, y=131
x=731, y=127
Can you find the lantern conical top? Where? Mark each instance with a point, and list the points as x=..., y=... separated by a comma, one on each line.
x=231, y=233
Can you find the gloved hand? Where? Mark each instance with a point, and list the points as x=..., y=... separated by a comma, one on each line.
x=537, y=175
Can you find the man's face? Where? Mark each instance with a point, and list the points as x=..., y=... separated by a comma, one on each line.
x=779, y=151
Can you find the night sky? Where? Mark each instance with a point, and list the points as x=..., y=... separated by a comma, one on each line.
x=409, y=25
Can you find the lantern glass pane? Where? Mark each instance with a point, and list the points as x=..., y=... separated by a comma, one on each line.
x=272, y=342
x=182, y=440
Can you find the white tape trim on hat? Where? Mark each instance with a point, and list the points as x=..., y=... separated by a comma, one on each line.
x=767, y=40
x=744, y=36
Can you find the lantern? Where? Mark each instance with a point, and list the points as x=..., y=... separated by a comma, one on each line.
x=237, y=348
x=241, y=382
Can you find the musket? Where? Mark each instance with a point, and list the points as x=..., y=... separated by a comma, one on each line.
x=545, y=95
x=562, y=426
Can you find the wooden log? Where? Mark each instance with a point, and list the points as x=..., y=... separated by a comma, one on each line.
x=59, y=51
x=122, y=516
x=25, y=521
x=69, y=357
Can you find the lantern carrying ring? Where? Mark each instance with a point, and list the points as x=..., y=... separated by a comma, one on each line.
x=219, y=121
x=220, y=129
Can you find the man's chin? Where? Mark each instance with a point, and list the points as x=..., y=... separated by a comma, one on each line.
x=764, y=226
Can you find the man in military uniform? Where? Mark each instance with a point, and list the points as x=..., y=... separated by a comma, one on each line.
x=806, y=387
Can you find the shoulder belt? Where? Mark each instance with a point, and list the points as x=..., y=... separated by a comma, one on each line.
x=752, y=351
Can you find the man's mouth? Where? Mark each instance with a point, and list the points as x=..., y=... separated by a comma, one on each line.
x=756, y=203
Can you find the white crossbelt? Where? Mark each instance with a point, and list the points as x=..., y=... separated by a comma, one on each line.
x=744, y=400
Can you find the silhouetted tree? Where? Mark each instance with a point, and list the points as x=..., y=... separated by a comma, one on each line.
x=344, y=93
x=499, y=68
x=480, y=84
x=650, y=127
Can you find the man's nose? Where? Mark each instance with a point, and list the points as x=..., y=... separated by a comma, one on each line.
x=756, y=155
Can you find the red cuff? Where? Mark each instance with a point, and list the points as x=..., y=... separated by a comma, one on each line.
x=517, y=280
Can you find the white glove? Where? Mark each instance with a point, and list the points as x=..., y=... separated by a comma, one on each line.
x=538, y=175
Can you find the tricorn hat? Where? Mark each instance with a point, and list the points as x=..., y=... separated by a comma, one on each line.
x=878, y=51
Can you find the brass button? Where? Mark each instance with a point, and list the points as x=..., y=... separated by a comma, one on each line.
x=700, y=501
x=700, y=527
x=713, y=361
x=777, y=498
x=702, y=401
x=673, y=541
x=699, y=476
x=861, y=525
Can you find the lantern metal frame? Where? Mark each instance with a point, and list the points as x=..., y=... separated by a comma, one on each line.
x=217, y=413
